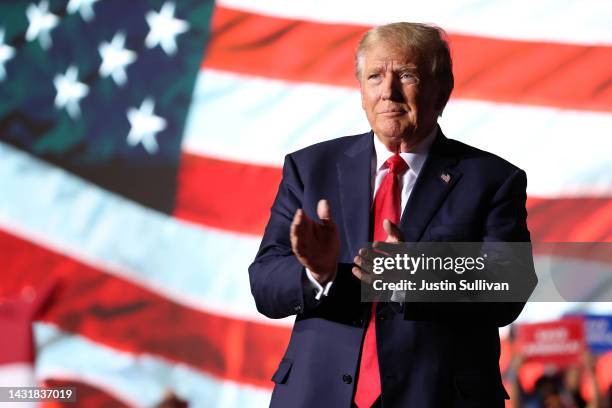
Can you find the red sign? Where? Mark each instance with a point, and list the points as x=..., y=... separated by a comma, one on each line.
x=560, y=342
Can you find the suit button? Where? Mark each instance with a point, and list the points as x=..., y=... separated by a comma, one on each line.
x=347, y=379
x=297, y=308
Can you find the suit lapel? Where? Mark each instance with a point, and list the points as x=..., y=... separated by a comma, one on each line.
x=435, y=181
x=354, y=176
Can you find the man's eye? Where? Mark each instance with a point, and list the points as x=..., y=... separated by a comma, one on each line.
x=407, y=77
x=373, y=76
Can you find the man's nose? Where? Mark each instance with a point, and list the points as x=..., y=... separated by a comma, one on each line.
x=391, y=88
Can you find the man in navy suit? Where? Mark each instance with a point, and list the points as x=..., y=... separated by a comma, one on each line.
x=309, y=262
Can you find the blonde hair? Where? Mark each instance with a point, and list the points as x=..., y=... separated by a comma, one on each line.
x=426, y=43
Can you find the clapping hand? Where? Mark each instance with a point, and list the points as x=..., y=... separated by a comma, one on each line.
x=316, y=245
x=363, y=261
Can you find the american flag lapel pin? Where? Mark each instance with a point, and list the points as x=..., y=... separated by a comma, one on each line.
x=445, y=177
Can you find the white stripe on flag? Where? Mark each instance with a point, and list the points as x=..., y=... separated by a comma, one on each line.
x=17, y=375
x=257, y=120
x=545, y=20
x=544, y=311
x=140, y=380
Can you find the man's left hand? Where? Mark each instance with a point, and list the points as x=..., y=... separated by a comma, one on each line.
x=363, y=261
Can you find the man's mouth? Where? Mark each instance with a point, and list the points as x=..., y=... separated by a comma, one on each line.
x=392, y=112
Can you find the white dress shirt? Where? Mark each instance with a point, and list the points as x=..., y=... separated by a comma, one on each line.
x=415, y=160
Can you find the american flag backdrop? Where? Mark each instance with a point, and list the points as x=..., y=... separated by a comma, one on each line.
x=140, y=150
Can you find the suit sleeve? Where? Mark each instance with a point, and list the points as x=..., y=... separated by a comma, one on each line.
x=505, y=221
x=277, y=278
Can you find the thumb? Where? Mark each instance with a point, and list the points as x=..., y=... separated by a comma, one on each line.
x=323, y=210
x=393, y=232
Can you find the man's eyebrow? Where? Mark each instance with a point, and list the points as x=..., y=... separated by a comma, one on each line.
x=407, y=67
x=396, y=68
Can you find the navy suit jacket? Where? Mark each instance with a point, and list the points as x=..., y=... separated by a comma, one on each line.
x=430, y=354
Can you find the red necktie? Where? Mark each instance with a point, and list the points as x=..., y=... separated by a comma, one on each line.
x=387, y=204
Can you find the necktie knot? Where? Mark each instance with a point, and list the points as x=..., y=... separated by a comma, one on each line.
x=396, y=164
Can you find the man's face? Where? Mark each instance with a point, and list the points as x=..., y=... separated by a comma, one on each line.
x=399, y=101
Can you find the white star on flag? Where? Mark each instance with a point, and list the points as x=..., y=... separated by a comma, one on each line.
x=145, y=125
x=41, y=22
x=84, y=7
x=70, y=91
x=115, y=58
x=164, y=28
x=6, y=53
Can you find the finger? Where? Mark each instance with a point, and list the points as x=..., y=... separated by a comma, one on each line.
x=297, y=220
x=323, y=210
x=361, y=275
x=298, y=231
x=363, y=264
x=367, y=258
x=394, y=234
x=358, y=261
x=301, y=223
x=363, y=253
x=378, y=249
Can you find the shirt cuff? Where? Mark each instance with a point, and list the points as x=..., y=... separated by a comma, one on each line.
x=320, y=289
x=398, y=296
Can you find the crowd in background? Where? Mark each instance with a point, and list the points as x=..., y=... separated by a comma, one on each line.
x=570, y=386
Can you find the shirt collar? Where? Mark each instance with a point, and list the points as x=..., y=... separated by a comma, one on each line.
x=414, y=159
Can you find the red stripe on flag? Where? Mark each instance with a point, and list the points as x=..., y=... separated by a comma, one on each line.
x=526, y=72
x=576, y=219
x=229, y=195
x=125, y=316
x=237, y=197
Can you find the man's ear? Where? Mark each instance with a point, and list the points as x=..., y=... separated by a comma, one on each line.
x=440, y=100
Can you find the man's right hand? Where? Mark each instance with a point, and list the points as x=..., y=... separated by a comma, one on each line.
x=316, y=246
